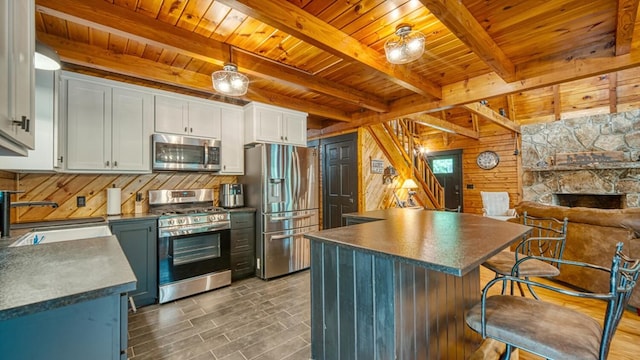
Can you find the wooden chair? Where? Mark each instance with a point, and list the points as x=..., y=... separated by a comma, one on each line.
x=550, y=330
x=547, y=239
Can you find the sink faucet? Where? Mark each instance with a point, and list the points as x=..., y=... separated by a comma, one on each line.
x=5, y=209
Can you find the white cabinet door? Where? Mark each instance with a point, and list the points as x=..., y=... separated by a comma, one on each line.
x=204, y=120
x=271, y=124
x=132, y=112
x=295, y=129
x=268, y=125
x=88, y=124
x=6, y=124
x=17, y=43
x=23, y=69
x=43, y=157
x=232, y=144
x=171, y=115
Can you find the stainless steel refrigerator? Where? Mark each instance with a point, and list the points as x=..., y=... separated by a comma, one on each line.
x=281, y=182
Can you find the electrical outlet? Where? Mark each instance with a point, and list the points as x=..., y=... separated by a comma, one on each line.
x=81, y=201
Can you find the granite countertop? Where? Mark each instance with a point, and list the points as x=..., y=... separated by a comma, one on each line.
x=47, y=276
x=444, y=241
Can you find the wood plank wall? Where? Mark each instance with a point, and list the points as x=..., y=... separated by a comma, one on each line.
x=64, y=188
x=505, y=177
x=375, y=195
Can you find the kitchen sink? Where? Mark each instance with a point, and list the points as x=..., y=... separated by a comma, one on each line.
x=44, y=236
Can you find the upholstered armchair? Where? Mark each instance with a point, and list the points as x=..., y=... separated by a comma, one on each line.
x=496, y=205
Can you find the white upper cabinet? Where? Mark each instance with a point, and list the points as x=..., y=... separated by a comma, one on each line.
x=271, y=124
x=108, y=125
x=204, y=119
x=17, y=76
x=182, y=116
x=45, y=156
x=232, y=149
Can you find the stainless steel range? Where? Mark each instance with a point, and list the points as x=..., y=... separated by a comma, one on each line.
x=194, y=242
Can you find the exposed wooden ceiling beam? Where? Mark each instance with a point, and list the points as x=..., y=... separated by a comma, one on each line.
x=457, y=18
x=627, y=12
x=491, y=85
x=291, y=19
x=118, y=20
x=486, y=113
x=133, y=66
x=443, y=125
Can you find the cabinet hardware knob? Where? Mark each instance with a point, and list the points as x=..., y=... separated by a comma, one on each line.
x=281, y=137
x=61, y=159
x=191, y=129
x=115, y=163
x=107, y=163
x=286, y=138
x=150, y=230
x=186, y=129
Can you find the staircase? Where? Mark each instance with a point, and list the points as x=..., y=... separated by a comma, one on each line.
x=396, y=139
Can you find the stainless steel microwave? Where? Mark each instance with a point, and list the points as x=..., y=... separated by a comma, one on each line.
x=175, y=152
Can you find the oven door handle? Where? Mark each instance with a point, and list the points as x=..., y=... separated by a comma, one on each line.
x=280, y=218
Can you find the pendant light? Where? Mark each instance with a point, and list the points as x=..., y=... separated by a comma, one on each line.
x=406, y=46
x=45, y=57
x=229, y=81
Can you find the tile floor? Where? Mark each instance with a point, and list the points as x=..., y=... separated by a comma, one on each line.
x=251, y=319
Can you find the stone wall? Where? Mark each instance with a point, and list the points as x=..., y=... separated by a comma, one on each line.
x=610, y=132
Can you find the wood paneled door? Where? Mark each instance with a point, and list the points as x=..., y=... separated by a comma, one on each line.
x=340, y=178
x=447, y=167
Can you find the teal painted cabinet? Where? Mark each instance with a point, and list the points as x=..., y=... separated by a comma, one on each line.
x=138, y=239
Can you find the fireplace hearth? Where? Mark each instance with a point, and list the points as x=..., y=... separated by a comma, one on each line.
x=600, y=201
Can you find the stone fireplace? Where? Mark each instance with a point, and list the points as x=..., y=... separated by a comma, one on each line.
x=614, y=184
x=600, y=201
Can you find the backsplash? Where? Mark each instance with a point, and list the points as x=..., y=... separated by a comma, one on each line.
x=65, y=188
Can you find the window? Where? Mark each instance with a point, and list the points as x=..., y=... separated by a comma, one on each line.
x=442, y=166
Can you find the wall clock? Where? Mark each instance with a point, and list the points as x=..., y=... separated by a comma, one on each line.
x=487, y=160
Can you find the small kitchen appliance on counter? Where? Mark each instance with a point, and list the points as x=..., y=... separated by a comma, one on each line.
x=231, y=195
x=194, y=242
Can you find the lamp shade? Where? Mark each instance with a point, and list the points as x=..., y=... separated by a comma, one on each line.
x=406, y=46
x=409, y=184
x=229, y=81
x=46, y=58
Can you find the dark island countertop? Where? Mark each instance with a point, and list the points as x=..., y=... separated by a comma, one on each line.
x=47, y=276
x=448, y=242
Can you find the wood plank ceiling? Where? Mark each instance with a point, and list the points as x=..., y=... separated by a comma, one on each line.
x=326, y=57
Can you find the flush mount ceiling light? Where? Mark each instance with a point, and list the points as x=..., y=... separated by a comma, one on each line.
x=405, y=47
x=229, y=81
x=46, y=58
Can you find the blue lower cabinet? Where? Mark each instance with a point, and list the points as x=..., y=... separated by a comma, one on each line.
x=138, y=239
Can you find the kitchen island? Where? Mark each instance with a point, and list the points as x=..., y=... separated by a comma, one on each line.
x=397, y=286
x=64, y=300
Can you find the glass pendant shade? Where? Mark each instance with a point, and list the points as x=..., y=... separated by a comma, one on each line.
x=229, y=81
x=405, y=47
x=46, y=58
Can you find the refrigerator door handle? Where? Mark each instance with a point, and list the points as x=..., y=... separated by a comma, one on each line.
x=280, y=237
x=281, y=218
x=296, y=177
